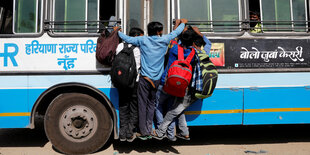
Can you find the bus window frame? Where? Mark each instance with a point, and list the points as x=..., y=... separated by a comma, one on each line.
x=281, y=33
x=241, y=7
x=27, y=35
x=50, y=18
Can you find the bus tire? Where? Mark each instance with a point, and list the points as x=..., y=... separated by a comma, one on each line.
x=77, y=123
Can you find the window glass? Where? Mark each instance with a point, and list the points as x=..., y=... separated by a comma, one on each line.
x=70, y=10
x=26, y=16
x=299, y=14
x=276, y=12
x=92, y=15
x=225, y=10
x=6, y=17
x=200, y=13
x=159, y=12
x=134, y=14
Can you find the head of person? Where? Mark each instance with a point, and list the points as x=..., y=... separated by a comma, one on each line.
x=198, y=41
x=155, y=28
x=187, y=38
x=134, y=32
x=254, y=17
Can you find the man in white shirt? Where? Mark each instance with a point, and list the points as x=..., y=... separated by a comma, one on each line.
x=128, y=102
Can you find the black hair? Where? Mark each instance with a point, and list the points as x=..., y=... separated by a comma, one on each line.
x=187, y=38
x=199, y=41
x=135, y=32
x=154, y=27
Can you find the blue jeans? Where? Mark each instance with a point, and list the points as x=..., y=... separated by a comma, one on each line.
x=164, y=103
x=177, y=111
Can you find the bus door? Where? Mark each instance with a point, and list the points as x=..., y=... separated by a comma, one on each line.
x=138, y=13
x=225, y=106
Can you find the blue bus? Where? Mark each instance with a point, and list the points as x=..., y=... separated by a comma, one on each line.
x=48, y=67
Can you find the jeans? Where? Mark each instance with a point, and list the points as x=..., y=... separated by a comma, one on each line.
x=146, y=105
x=164, y=103
x=177, y=111
x=128, y=112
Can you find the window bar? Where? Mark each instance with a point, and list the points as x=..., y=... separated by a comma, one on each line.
x=292, y=14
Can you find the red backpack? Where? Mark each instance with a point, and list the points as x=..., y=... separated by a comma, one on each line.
x=179, y=74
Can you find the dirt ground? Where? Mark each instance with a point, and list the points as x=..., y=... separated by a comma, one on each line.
x=220, y=140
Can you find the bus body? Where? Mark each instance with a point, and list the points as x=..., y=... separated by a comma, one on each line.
x=48, y=66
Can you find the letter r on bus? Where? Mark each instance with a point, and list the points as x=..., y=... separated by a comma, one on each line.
x=10, y=51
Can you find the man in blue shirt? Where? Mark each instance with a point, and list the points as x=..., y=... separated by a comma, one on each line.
x=153, y=49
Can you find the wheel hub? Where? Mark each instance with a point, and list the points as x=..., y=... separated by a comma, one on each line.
x=78, y=122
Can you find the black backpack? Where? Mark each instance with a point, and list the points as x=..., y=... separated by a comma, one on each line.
x=123, y=71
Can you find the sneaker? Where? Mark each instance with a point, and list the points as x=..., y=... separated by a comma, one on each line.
x=122, y=139
x=143, y=137
x=132, y=138
x=182, y=137
x=173, y=139
x=154, y=135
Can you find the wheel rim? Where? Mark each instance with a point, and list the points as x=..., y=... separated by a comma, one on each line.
x=78, y=123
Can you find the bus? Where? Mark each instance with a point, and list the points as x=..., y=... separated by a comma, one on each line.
x=48, y=67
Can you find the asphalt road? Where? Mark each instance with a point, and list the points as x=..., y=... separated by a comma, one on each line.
x=231, y=140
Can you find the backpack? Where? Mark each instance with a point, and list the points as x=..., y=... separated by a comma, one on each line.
x=123, y=71
x=106, y=47
x=179, y=74
x=209, y=75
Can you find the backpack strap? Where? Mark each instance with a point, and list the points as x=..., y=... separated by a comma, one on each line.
x=180, y=52
x=190, y=56
x=132, y=47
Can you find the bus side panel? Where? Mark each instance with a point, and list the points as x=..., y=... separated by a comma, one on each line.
x=277, y=106
x=223, y=108
x=14, y=111
x=38, y=84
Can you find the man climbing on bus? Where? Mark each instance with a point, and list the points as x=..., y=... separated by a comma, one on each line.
x=128, y=102
x=188, y=40
x=153, y=48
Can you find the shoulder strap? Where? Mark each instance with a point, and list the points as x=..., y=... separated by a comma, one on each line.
x=190, y=56
x=180, y=52
x=132, y=47
x=125, y=45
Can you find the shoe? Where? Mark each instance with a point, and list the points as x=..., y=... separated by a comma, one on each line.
x=154, y=135
x=182, y=137
x=172, y=139
x=132, y=138
x=143, y=137
x=122, y=139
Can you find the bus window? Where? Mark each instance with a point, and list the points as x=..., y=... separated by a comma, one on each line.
x=255, y=24
x=6, y=16
x=27, y=15
x=82, y=15
x=134, y=14
x=159, y=11
x=212, y=15
x=200, y=13
x=76, y=15
x=284, y=15
x=107, y=9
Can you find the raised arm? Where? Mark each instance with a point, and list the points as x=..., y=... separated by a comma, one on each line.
x=128, y=39
x=207, y=47
x=176, y=32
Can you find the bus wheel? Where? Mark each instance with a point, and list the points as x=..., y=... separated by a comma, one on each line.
x=77, y=123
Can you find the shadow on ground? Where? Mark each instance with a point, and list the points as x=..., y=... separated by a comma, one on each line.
x=213, y=135
x=224, y=135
